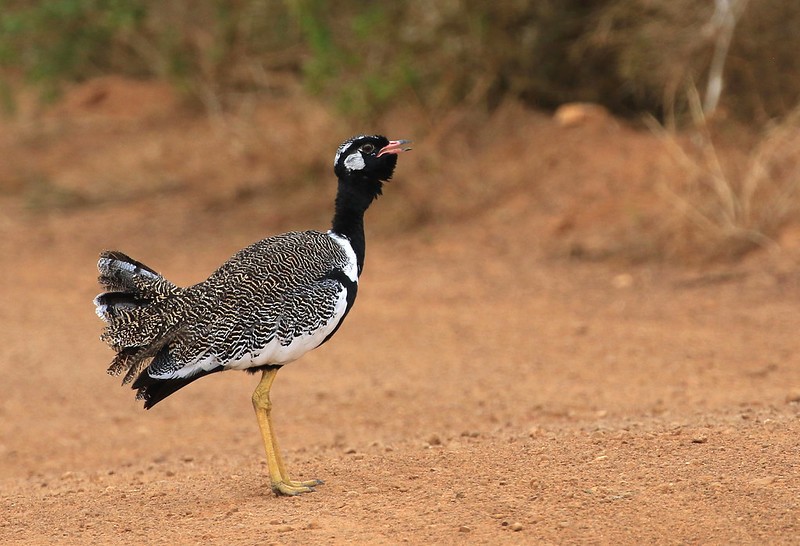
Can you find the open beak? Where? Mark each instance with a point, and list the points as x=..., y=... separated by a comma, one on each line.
x=395, y=147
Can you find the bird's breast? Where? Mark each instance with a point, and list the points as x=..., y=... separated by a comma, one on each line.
x=350, y=268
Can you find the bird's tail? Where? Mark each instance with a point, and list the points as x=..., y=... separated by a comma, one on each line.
x=135, y=307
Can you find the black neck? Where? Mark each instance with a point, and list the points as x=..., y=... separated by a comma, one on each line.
x=348, y=217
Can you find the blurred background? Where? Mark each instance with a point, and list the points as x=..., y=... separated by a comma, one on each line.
x=716, y=83
x=632, y=56
x=577, y=321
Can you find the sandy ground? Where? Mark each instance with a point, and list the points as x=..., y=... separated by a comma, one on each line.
x=485, y=389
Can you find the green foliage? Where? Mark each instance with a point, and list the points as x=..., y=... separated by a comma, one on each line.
x=353, y=54
x=631, y=55
x=321, y=67
x=63, y=39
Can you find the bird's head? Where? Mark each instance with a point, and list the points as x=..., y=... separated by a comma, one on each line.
x=368, y=159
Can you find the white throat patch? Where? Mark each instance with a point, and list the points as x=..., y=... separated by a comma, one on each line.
x=354, y=162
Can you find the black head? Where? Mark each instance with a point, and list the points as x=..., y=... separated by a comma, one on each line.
x=368, y=158
x=362, y=165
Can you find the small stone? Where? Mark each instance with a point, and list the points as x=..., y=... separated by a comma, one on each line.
x=285, y=528
x=516, y=526
x=574, y=114
x=372, y=490
x=580, y=329
x=350, y=451
x=623, y=280
x=434, y=440
x=665, y=487
x=793, y=396
x=700, y=439
x=464, y=529
x=768, y=480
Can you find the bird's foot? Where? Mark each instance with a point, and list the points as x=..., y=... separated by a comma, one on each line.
x=292, y=488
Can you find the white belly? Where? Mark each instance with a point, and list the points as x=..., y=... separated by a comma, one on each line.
x=277, y=353
x=274, y=353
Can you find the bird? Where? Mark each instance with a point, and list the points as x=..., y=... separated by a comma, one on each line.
x=266, y=306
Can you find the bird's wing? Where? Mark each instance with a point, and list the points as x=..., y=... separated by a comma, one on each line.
x=269, y=304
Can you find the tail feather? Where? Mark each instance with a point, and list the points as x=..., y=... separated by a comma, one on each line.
x=114, y=265
x=109, y=305
x=139, y=311
x=133, y=294
x=133, y=360
x=119, y=273
x=124, y=360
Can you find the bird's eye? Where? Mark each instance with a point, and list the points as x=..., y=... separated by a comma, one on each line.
x=367, y=148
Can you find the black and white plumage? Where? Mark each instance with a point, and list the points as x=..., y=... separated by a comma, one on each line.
x=269, y=304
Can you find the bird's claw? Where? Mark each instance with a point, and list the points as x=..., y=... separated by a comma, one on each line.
x=292, y=488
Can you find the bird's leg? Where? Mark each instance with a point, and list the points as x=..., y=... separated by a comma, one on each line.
x=284, y=474
x=279, y=478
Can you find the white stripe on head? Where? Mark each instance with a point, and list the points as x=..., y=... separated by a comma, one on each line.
x=354, y=161
x=343, y=147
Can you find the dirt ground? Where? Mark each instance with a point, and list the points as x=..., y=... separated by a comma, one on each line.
x=485, y=389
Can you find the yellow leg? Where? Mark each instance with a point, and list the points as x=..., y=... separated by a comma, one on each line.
x=279, y=478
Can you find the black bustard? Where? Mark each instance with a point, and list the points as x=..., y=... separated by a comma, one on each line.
x=268, y=305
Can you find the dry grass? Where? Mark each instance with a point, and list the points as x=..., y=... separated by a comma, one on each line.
x=363, y=58
x=724, y=207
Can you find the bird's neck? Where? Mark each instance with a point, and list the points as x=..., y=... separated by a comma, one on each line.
x=348, y=218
